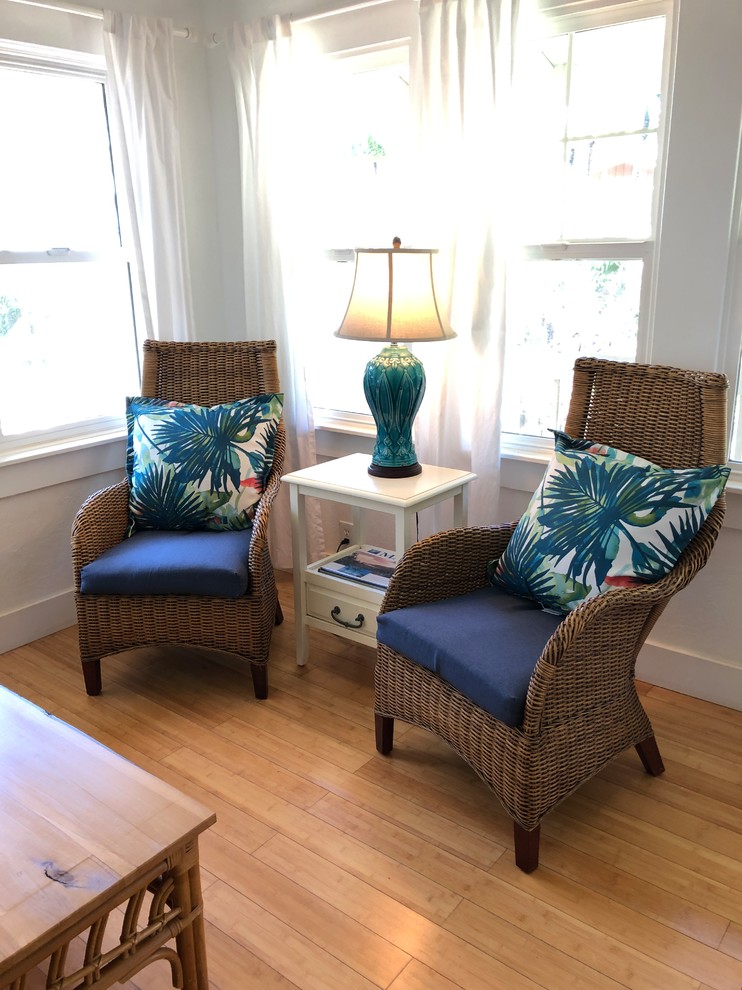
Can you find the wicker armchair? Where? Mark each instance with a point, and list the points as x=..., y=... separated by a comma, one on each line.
x=206, y=374
x=581, y=707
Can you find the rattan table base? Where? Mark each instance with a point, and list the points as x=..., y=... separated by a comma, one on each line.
x=100, y=861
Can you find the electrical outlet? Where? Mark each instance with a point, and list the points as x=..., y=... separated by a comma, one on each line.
x=345, y=532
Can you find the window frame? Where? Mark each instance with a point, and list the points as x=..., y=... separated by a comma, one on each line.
x=366, y=58
x=731, y=343
x=56, y=62
x=597, y=14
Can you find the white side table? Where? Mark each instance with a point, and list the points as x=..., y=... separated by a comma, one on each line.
x=329, y=602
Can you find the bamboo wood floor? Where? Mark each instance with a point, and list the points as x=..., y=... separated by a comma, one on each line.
x=333, y=868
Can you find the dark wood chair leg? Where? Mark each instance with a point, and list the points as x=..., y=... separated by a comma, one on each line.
x=526, y=847
x=649, y=754
x=259, y=673
x=279, y=613
x=384, y=733
x=91, y=673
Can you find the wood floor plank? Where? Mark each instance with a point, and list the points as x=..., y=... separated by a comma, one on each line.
x=687, y=707
x=416, y=976
x=145, y=736
x=276, y=943
x=683, y=753
x=665, y=891
x=397, y=842
x=232, y=823
x=449, y=956
x=307, y=702
x=732, y=941
x=717, y=848
x=232, y=966
x=417, y=891
x=315, y=918
x=675, y=792
x=716, y=736
x=275, y=724
x=567, y=968
x=420, y=755
x=443, y=829
x=466, y=800
x=317, y=873
x=194, y=681
x=254, y=768
x=659, y=946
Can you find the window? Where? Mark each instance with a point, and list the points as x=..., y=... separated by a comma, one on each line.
x=735, y=453
x=366, y=153
x=68, y=351
x=735, y=372
x=593, y=111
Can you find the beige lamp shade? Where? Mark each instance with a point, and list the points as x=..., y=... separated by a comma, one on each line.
x=393, y=298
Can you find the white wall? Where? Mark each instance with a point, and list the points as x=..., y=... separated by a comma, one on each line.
x=695, y=647
x=38, y=501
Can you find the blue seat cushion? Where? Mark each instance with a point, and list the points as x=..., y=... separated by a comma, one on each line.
x=160, y=562
x=485, y=644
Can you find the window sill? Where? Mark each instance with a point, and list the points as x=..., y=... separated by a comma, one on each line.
x=53, y=464
x=338, y=434
x=361, y=424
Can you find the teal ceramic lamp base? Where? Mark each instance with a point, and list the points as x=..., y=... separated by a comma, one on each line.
x=394, y=384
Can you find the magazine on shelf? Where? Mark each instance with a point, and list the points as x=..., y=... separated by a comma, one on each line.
x=365, y=565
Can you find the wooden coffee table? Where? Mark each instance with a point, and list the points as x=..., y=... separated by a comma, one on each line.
x=92, y=846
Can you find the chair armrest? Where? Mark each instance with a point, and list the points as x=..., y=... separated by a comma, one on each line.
x=101, y=522
x=590, y=657
x=592, y=654
x=449, y=563
x=259, y=540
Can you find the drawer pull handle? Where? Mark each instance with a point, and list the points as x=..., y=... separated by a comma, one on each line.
x=359, y=619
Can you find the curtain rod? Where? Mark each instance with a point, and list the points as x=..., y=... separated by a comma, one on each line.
x=97, y=14
x=338, y=10
x=217, y=39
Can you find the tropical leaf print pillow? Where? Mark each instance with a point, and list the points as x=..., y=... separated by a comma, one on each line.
x=600, y=519
x=198, y=467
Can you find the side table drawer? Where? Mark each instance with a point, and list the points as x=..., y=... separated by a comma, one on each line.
x=321, y=603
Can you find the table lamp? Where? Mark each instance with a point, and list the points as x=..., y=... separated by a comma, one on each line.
x=393, y=301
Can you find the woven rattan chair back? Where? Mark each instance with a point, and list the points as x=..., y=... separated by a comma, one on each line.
x=209, y=373
x=206, y=373
x=670, y=416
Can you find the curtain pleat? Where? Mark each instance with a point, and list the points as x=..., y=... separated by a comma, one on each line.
x=142, y=105
x=462, y=90
x=260, y=57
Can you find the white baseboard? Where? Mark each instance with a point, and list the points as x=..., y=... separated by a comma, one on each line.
x=700, y=677
x=31, y=622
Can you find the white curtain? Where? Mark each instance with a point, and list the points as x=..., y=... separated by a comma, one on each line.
x=462, y=85
x=143, y=111
x=268, y=92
